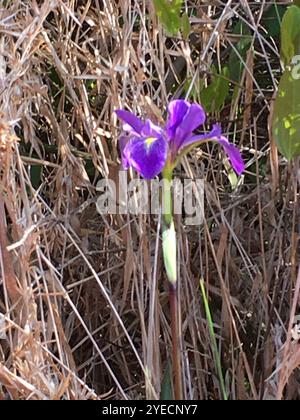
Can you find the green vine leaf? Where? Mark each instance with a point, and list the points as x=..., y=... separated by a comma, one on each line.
x=168, y=13
x=290, y=34
x=286, y=116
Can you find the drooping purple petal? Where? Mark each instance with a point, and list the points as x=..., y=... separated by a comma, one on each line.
x=146, y=155
x=215, y=135
x=197, y=138
x=234, y=155
x=183, y=119
x=130, y=119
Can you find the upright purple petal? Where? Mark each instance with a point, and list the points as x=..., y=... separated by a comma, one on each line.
x=146, y=155
x=151, y=130
x=183, y=119
x=130, y=119
x=177, y=110
x=193, y=118
x=233, y=154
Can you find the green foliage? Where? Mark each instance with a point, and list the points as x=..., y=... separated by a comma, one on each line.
x=168, y=12
x=166, y=386
x=286, y=117
x=215, y=349
x=290, y=34
x=235, y=64
x=271, y=20
x=214, y=95
x=36, y=175
x=185, y=25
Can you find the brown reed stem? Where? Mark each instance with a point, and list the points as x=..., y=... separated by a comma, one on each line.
x=173, y=299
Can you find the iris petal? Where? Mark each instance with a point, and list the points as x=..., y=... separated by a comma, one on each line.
x=151, y=130
x=177, y=110
x=215, y=134
x=193, y=118
x=146, y=155
x=130, y=119
x=234, y=155
x=124, y=139
x=183, y=119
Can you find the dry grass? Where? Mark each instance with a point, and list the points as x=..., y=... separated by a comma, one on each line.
x=83, y=298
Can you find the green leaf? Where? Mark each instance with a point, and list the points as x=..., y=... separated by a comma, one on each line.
x=222, y=88
x=207, y=94
x=290, y=34
x=215, y=94
x=286, y=116
x=166, y=386
x=168, y=12
x=297, y=3
x=235, y=64
x=271, y=20
x=185, y=25
x=36, y=175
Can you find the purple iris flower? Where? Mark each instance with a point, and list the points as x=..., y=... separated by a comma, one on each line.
x=147, y=147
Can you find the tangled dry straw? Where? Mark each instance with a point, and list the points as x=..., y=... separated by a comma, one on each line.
x=83, y=302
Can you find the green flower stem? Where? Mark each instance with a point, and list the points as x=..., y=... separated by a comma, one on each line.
x=167, y=195
x=169, y=252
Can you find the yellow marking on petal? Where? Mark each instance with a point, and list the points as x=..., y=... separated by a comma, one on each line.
x=149, y=141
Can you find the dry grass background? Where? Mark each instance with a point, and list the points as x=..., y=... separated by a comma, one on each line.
x=83, y=298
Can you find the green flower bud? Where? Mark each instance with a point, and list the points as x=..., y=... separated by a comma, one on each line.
x=169, y=251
